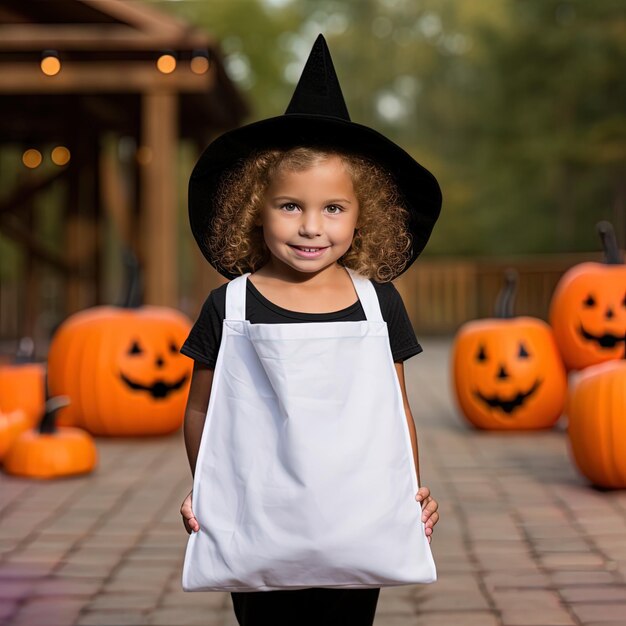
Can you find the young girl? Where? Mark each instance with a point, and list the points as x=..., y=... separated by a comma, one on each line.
x=298, y=430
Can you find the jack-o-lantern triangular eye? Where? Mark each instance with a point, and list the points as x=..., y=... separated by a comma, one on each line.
x=135, y=348
x=481, y=355
x=523, y=353
x=173, y=347
x=590, y=301
x=624, y=301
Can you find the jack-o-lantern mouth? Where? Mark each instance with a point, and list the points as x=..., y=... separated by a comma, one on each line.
x=508, y=406
x=608, y=340
x=159, y=389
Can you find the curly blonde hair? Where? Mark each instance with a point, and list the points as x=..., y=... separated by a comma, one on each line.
x=381, y=247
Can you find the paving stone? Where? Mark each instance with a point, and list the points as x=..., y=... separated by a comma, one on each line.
x=59, y=611
x=56, y=586
x=523, y=579
x=584, y=578
x=449, y=618
x=572, y=560
x=138, y=601
x=188, y=617
x=616, y=593
x=600, y=613
x=112, y=618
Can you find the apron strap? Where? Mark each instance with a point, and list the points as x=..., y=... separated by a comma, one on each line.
x=236, y=298
x=368, y=296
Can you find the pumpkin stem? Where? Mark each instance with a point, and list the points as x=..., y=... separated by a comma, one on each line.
x=48, y=424
x=506, y=296
x=133, y=293
x=612, y=254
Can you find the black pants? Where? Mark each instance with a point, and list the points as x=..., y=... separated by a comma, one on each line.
x=306, y=607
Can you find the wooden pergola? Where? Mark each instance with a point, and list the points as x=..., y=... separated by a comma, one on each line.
x=121, y=119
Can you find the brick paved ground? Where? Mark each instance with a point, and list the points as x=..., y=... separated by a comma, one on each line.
x=523, y=540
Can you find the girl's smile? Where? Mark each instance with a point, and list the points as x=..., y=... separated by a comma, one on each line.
x=309, y=216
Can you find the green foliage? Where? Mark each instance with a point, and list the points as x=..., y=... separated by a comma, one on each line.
x=517, y=106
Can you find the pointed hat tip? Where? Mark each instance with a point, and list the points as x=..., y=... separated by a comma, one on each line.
x=318, y=91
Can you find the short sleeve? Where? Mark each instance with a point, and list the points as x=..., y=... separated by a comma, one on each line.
x=205, y=336
x=402, y=339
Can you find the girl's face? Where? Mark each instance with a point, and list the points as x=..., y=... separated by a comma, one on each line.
x=309, y=216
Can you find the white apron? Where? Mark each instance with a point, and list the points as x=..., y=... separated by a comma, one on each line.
x=305, y=474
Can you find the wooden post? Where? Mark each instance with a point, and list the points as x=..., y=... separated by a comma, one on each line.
x=158, y=158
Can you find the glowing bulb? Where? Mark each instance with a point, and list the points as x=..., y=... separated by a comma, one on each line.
x=60, y=155
x=32, y=158
x=200, y=62
x=166, y=63
x=50, y=63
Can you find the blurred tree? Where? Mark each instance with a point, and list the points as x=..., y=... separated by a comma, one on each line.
x=517, y=107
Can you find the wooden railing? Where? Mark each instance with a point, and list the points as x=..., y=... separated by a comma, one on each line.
x=440, y=295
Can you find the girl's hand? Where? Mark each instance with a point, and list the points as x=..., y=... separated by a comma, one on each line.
x=429, y=510
x=190, y=522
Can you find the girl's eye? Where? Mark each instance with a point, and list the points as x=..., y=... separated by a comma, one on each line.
x=333, y=209
x=290, y=207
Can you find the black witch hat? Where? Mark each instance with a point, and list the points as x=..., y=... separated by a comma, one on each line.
x=317, y=116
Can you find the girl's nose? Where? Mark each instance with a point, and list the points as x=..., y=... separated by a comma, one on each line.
x=310, y=224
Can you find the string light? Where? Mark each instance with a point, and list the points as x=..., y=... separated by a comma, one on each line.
x=200, y=62
x=60, y=155
x=166, y=63
x=50, y=62
x=32, y=158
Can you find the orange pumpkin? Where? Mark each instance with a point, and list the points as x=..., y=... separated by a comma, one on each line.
x=22, y=387
x=588, y=308
x=507, y=371
x=122, y=370
x=11, y=425
x=50, y=451
x=597, y=423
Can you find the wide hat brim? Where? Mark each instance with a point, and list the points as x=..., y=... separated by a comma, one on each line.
x=418, y=188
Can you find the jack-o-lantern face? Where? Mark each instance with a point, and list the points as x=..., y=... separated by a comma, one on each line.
x=588, y=314
x=139, y=359
x=508, y=374
x=122, y=370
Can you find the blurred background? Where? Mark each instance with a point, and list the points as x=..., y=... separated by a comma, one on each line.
x=518, y=108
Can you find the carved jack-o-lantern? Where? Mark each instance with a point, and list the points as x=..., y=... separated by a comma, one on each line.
x=588, y=309
x=122, y=370
x=507, y=372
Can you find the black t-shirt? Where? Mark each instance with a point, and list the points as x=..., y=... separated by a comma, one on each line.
x=203, y=341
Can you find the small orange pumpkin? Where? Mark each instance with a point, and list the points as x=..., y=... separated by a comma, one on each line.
x=23, y=383
x=597, y=423
x=50, y=451
x=122, y=369
x=11, y=425
x=588, y=308
x=507, y=372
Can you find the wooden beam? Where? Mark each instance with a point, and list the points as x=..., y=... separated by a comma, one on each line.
x=158, y=198
x=27, y=190
x=140, y=15
x=103, y=76
x=28, y=37
x=24, y=237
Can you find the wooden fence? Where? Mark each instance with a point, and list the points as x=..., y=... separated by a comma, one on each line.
x=440, y=295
